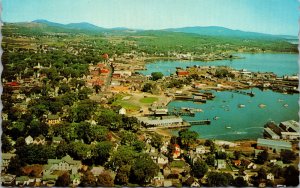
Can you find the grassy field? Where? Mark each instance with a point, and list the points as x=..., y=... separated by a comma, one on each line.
x=148, y=100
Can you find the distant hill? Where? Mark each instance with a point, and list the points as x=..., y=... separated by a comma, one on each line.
x=225, y=32
x=77, y=26
x=47, y=27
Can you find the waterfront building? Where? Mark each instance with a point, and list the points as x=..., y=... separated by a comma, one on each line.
x=270, y=134
x=290, y=126
x=274, y=144
x=290, y=135
x=163, y=121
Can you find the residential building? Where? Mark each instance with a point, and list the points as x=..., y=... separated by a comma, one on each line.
x=28, y=140
x=220, y=164
x=6, y=157
x=64, y=164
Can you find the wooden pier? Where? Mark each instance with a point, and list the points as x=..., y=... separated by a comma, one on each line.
x=200, y=122
x=251, y=94
x=180, y=113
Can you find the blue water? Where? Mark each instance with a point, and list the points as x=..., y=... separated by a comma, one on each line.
x=280, y=64
x=245, y=123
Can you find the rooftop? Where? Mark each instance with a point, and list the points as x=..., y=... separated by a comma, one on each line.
x=278, y=143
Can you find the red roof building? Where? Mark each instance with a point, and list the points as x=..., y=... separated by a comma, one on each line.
x=182, y=73
x=104, y=71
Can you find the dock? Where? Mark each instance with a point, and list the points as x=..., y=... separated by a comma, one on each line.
x=200, y=122
x=251, y=94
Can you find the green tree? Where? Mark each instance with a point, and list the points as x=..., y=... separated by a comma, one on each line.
x=110, y=119
x=156, y=75
x=262, y=157
x=217, y=179
x=277, y=171
x=240, y=182
x=210, y=160
x=199, y=168
x=88, y=179
x=221, y=155
x=14, y=166
x=105, y=180
x=62, y=149
x=125, y=155
x=262, y=174
x=63, y=180
x=101, y=152
x=237, y=154
x=287, y=156
x=143, y=170
x=6, y=145
x=122, y=176
x=187, y=137
x=291, y=175
x=147, y=87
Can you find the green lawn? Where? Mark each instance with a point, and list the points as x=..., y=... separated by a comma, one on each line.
x=148, y=100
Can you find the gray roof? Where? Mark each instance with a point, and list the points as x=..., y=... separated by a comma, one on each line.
x=274, y=143
x=270, y=132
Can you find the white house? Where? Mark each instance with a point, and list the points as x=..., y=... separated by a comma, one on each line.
x=200, y=149
x=29, y=140
x=270, y=176
x=220, y=164
x=162, y=160
x=122, y=111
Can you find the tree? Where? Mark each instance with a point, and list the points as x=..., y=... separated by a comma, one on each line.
x=287, y=156
x=143, y=170
x=14, y=166
x=217, y=179
x=63, y=180
x=101, y=152
x=262, y=174
x=208, y=142
x=210, y=160
x=240, y=182
x=237, y=154
x=125, y=155
x=156, y=140
x=156, y=75
x=262, y=157
x=277, y=171
x=291, y=175
x=62, y=149
x=6, y=145
x=221, y=155
x=128, y=138
x=110, y=119
x=187, y=137
x=199, y=168
x=147, y=87
x=122, y=176
x=97, y=88
x=88, y=179
x=105, y=180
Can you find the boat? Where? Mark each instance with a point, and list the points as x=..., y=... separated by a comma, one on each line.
x=286, y=105
x=227, y=127
x=241, y=106
x=280, y=100
x=216, y=118
x=262, y=105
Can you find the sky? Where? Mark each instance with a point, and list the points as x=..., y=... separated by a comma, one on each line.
x=264, y=16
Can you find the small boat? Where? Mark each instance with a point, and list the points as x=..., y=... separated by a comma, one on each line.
x=241, y=106
x=227, y=127
x=280, y=100
x=262, y=105
x=216, y=118
x=286, y=105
